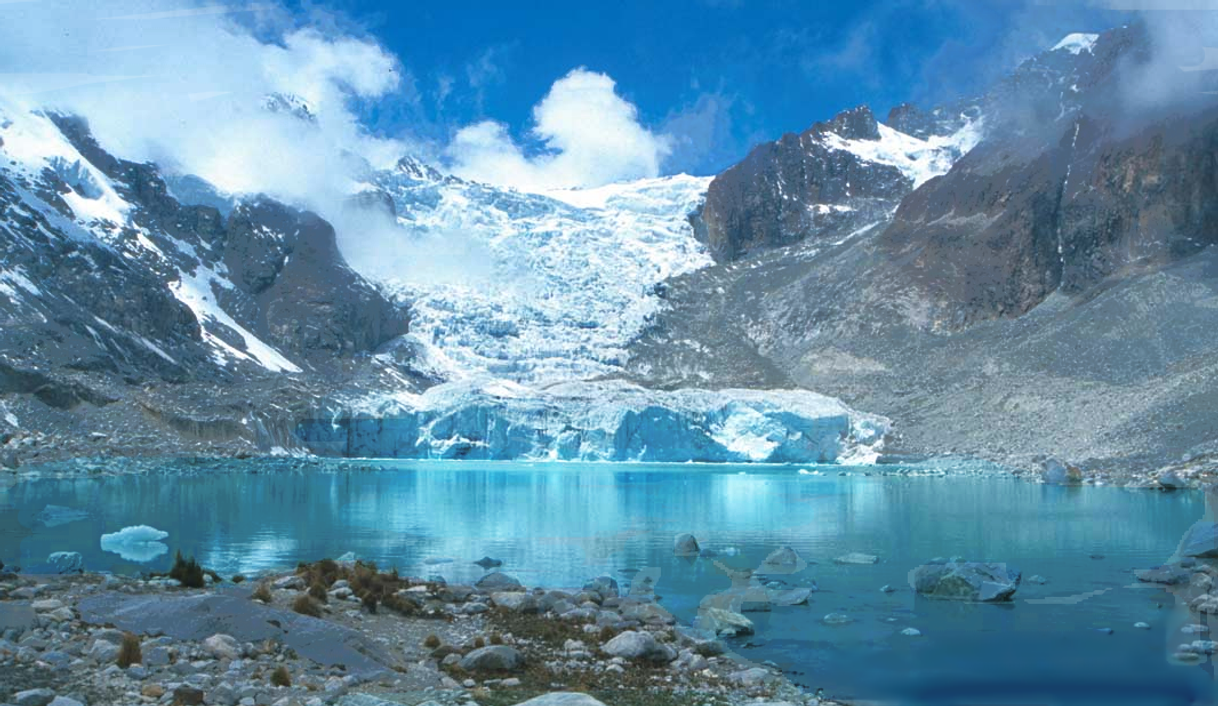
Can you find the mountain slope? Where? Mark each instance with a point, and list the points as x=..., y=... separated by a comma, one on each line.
x=1050, y=294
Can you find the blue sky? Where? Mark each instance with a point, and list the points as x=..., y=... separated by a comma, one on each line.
x=717, y=75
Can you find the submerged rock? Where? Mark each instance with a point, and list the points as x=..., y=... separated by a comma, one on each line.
x=497, y=581
x=966, y=581
x=1169, y=575
x=488, y=563
x=856, y=558
x=784, y=560
x=685, y=545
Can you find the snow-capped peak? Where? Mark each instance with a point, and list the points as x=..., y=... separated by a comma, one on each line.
x=1077, y=43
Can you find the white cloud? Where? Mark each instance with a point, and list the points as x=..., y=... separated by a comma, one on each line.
x=591, y=137
x=194, y=81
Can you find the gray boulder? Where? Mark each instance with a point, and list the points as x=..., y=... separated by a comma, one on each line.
x=1170, y=480
x=495, y=658
x=685, y=545
x=33, y=697
x=1058, y=473
x=604, y=585
x=1200, y=541
x=564, y=698
x=515, y=601
x=966, y=581
x=498, y=581
x=724, y=623
x=638, y=645
x=66, y=562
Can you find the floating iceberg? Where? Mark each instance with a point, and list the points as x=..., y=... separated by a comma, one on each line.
x=140, y=543
x=489, y=418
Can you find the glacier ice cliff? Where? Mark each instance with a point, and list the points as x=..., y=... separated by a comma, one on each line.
x=494, y=419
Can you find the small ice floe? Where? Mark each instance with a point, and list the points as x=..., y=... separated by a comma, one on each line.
x=806, y=472
x=140, y=543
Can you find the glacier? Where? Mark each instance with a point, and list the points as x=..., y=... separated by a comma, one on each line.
x=493, y=419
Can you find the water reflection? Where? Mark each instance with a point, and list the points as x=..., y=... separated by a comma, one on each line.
x=559, y=524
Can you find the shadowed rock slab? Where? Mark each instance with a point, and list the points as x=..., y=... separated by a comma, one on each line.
x=200, y=617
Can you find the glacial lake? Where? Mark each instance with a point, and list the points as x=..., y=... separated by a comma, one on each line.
x=558, y=524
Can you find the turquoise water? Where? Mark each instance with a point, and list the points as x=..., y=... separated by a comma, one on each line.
x=559, y=524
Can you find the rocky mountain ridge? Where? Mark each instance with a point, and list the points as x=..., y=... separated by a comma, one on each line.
x=1048, y=294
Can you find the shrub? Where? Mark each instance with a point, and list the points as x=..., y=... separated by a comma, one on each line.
x=238, y=578
x=369, y=601
x=431, y=642
x=187, y=571
x=479, y=643
x=280, y=676
x=129, y=651
x=263, y=593
x=496, y=638
x=607, y=633
x=318, y=593
x=306, y=606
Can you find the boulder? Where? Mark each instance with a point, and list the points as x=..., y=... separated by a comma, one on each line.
x=1058, y=473
x=515, y=601
x=606, y=586
x=685, y=545
x=966, y=581
x=222, y=647
x=495, y=658
x=33, y=697
x=497, y=581
x=289, y=583
x=1170, y=480
x=488, y=563
x=67, y=562
x=724, y=623
x=856, y=558
x=1200, y=541
x=563, y=698
x=637, y=645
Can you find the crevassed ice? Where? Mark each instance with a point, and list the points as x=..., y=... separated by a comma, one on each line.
x=549, y=287
x=495, y=419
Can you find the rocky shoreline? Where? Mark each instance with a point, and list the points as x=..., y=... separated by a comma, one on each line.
x=1193, y=474
x=346, y=634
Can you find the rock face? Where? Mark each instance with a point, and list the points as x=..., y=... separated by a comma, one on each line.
x=820, y=181
x=966, y=581
x=1043, y=281
x=136, y=312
